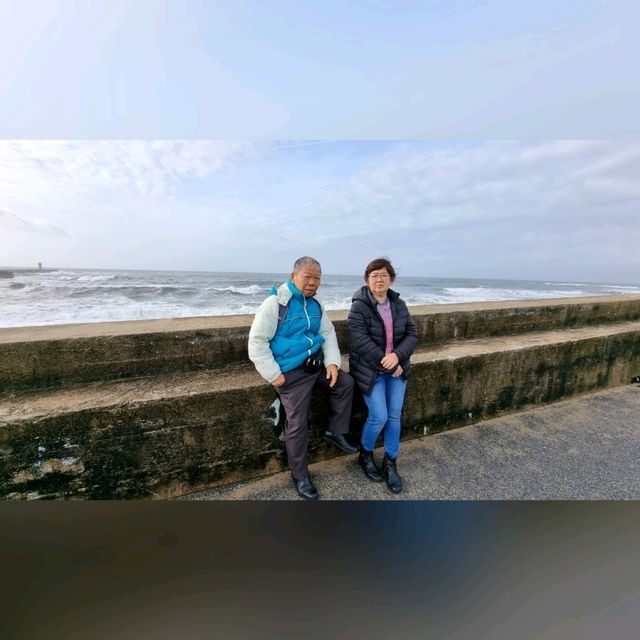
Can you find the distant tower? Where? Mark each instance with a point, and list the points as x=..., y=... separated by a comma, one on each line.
x=39, y=266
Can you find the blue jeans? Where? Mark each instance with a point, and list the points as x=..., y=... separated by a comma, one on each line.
x=385, y=406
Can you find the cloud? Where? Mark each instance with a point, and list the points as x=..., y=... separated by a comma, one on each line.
x=567, y=183
x=71, y=170
x=11, y=221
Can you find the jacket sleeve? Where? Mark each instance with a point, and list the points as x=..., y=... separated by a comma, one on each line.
x=409, y=341
x=263, y=328
x=361, y=341
x=330, y=347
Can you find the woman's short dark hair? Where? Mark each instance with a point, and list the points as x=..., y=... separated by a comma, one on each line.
x=380, y=263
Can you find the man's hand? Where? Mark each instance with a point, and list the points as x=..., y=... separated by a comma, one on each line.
x=332, y=374
x=398, y=372
x=389, y=361
x=279, y=381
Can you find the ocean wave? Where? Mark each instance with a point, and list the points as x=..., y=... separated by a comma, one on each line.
x=182, y=292
x=108, y=292
x=135, y=290
x=560, y=293
x=480, y=294
x=428, y=299
x=100, y=278
x=100, y=296
x=469, y=294
x=74, y=276
x=622, y=287
x=564, y=284
x=245, y=291
x=335, y=303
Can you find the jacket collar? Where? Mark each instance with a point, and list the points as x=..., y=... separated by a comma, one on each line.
x=364, y=294
x=288, y=290
x=295, y=292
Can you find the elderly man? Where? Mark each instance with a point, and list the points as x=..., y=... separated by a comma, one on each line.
x=293, y=345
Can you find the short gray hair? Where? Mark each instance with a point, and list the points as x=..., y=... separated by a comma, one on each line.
x=304, y=262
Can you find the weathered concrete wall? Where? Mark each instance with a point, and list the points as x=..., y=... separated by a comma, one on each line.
x=181, y=431
x=38, y=357
x=447, y=393
x=66, y=358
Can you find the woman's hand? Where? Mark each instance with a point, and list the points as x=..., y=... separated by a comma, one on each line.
x=389, y=361
x=398, y=372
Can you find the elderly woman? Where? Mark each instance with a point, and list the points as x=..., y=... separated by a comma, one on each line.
x=383, y=337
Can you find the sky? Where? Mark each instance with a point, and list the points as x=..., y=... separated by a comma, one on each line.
x=492, y=209
x=290, y=69
x=459, y=138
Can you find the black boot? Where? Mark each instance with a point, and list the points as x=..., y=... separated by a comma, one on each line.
x=369, y=466
x=390, y=473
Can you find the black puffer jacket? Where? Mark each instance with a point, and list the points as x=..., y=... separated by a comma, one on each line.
x=368, y=339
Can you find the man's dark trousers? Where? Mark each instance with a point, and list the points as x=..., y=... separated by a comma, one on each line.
x=295, y=395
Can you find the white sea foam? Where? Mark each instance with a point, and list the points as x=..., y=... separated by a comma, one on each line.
x=600, y=287
x=480, y=294
x=564, y=284
x=100, y=278
x=333, y=303
x=623, y=288
x=249, y=291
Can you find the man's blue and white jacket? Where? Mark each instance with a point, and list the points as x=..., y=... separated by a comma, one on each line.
x=276, y=349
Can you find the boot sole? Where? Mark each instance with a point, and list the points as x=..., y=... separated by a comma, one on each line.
x=308, y=497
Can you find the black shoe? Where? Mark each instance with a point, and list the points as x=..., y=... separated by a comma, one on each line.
x=390, y=473
x=306, y=489
x=369, y=466
x=338, y=440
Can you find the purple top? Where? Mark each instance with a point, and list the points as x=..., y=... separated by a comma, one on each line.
x=385, y=313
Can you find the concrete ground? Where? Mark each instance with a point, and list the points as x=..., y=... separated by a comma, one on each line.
x=586, y=448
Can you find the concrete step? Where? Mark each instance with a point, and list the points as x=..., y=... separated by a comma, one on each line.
x=62, y=355
x=100, y=395
x=172, y=434
x=124, y=439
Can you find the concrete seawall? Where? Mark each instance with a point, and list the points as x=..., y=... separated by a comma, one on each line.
x=166, y=407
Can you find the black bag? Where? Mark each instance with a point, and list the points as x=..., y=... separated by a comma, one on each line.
x=314, y=362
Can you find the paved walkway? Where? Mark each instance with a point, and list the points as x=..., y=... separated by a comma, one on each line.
x=584, y=448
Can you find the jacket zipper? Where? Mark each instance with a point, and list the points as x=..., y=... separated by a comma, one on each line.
x=304, y=306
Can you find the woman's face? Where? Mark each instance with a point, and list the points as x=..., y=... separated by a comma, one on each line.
x=379, y=282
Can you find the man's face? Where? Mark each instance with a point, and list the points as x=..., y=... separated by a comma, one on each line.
x=307, y=280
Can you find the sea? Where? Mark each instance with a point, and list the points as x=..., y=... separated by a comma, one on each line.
x=60, y=296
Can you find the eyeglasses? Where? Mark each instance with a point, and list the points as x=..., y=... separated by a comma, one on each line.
x=379, y=276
